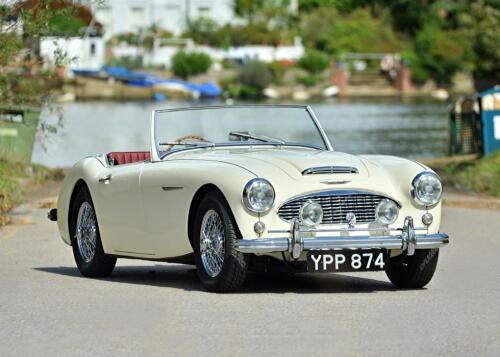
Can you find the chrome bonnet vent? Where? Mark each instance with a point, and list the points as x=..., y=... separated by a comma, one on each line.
x=324, y=170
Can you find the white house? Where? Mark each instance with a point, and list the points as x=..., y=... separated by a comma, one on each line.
x=118, y=16
x=79, y=52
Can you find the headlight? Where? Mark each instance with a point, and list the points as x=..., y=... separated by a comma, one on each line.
x=386, y=212
x=311, y=213
x=258, y=195
x=427, y=189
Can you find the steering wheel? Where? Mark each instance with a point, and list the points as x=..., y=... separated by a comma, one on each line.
x=186, y=137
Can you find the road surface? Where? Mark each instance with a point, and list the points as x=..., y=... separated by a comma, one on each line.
x=150, y=309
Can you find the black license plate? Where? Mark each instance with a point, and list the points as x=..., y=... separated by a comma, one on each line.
x=326, y=261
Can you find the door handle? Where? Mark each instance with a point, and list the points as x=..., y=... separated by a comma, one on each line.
x=105, y=179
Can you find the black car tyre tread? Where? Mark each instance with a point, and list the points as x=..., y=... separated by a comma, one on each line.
x=101, y=265
x=414, y=271
x=235, y=265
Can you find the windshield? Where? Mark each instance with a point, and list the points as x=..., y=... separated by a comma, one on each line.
x=177, y=129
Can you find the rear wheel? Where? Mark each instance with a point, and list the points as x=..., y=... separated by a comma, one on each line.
x=415, y=271
x=220, y=267
x=86, y=240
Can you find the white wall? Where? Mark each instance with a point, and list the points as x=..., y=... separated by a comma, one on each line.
x=118, y=16
x=162, y=55
x=86, y=53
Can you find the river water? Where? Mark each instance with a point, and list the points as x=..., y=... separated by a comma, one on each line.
x=413, y=130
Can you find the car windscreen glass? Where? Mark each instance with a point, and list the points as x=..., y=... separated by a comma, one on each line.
x=257, y=125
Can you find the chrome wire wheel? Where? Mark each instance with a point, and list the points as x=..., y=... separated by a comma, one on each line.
x=212, y=239
x=86, y=232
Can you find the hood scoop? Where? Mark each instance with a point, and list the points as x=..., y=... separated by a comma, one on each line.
x=327, y=170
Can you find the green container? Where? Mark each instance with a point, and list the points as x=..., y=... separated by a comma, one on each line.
x=18, y=126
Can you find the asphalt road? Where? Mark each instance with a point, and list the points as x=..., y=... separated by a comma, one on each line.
x=144, y=308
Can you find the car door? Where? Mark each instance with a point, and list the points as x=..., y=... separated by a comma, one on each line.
x=167, y=192
x=120, y=210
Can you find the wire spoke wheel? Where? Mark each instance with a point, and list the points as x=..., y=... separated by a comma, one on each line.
x=212, y=238
x=86, y=232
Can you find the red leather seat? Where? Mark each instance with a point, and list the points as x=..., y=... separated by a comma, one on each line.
x=127, y=157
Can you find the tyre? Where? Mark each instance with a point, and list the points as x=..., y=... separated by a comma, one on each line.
x=415, y=271
x=86, y=240
x=219, y=266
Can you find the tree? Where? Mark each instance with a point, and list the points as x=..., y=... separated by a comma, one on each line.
x=22, y=78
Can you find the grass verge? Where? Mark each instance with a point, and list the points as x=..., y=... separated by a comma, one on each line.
x=16, y=179
x=482, y=176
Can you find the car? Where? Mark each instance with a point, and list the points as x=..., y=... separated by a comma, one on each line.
x=233, y=189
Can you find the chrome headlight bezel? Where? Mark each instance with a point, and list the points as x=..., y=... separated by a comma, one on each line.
x=383, y=219
x=418, y=180
x=250, y=189
x=315, y=206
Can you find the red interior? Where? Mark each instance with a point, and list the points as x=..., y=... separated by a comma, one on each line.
x=127, y=157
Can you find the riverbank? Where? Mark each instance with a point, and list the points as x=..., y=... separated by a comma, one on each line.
x=16, y=180
x=479, y=176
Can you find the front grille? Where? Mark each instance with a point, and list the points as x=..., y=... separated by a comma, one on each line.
x=336, y=204
x=322, y=170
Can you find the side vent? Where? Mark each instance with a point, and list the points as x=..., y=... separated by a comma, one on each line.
x=324, y=170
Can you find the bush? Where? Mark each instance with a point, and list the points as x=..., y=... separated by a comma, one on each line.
x=439, y=53
x=308, y=81
x=186, y=64
x=255, y=74
x=314, y=62
x=277, y=70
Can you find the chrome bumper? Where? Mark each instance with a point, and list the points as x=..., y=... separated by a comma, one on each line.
x=407, y=240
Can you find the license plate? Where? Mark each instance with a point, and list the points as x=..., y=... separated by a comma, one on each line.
x=325, y=261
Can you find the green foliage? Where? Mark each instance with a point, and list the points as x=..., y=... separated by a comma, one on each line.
x=252, y=79
x=481, y=27
x=441, y=53
x=11, y=191
x=61, y=24
x=186, y=64
x=277, y=70
x=308, y=80
x=479, y=176
x=314, y=62
x=255, y=74
x=328, y=30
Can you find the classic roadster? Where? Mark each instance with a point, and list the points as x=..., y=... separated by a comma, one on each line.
x=245, y=187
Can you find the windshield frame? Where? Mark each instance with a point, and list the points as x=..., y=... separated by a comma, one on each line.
x=155, y=147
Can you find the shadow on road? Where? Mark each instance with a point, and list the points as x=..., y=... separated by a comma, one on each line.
x=184, y=277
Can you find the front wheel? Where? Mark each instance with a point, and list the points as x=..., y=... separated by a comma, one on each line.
x=220, y=267
x=86, y=240
x=415, y=271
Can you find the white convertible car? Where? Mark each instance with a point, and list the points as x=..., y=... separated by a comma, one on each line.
x=251, y=187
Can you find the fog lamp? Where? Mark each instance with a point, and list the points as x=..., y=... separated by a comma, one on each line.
x=386, y=212
x=427, y=219
x=259, y=227
x=311, y=213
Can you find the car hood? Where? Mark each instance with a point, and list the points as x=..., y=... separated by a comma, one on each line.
x=291, y=162
x=283, y=167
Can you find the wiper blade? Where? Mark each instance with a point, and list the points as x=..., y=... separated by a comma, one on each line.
x=201, y=144
x=261, y=138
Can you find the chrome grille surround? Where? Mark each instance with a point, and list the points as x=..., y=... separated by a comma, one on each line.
x=324, y=170
x=336, y=205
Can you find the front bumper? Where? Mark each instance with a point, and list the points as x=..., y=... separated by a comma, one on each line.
x=407, y=240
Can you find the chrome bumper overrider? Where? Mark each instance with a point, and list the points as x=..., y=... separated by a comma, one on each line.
x=295, y=243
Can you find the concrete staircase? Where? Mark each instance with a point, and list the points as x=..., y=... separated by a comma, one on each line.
x=369, y=83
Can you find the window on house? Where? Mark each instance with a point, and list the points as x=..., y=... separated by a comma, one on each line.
x=137, y=17
x=92, y=49
x=204, y=11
